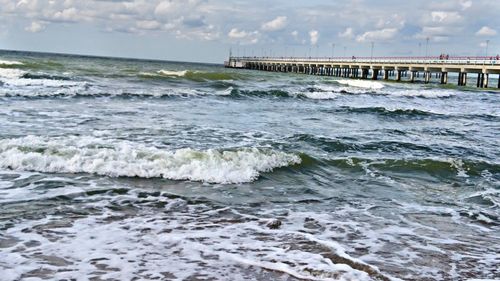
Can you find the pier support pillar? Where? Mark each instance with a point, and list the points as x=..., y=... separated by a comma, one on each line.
x=485, y=80
x=464, y=79
x=427, y=77
x=374, y=74
x=386, y=74
x=412, y=76
x=444, y=77
x=398, y=75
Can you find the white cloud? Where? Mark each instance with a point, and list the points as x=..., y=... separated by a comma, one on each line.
x=442, y=17
x=378, y=35
x=70, y=14
x=347, y=33
x=237, y=34
x=313, y=37
x=278, y=23
x=466, y=4
x=35, y=26
x=148, y=24
x=486, y=31
x=244, y=37
x=28, y=4
x=164, y=8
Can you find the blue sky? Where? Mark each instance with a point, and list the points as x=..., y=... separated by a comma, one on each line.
x=205, y=30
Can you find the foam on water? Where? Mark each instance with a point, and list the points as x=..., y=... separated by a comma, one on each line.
x=320, y=95
x=10, y=73
x=193, y=240
x=425, y=93
x=362, y=84
x=9, y=63
x=173, y=73
x=122, y=158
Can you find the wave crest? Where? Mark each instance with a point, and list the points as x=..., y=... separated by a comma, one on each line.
x=198, y=76
x=362, y=84
x=9, y=63
x=127, y=159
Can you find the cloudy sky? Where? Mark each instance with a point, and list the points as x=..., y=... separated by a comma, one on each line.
x=205, y=30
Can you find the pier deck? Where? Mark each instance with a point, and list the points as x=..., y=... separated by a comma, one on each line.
x=379, y=68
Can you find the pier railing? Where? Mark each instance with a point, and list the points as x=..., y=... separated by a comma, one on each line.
x=383, y=60
x=373, y=67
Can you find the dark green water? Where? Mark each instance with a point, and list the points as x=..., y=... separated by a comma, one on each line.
x=115, y=169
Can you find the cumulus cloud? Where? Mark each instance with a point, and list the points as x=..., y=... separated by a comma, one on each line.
x=214, y=19
x=348, y=33
x=35, y=26
x=466, y=4
x=244, y=37
x=486, y=31
x=148, y=24
x=313, y=37
x=164, y=8
x=442, y=17
x=378, y=35
x=278, y=23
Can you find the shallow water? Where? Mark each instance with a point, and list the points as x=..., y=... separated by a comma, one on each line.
x=118, y=169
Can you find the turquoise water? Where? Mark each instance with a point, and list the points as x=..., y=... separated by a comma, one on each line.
x=120, y=169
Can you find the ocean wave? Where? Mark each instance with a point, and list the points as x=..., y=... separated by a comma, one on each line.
x=193, y=75
x=45, y=76
x=437, y=167
x=391, y=111
x=425, y=93
x=173, y=73
x=8, y=73
x=362, y=84
x=9, y=63
x=319, y=95
x=127, y=159
x=21, y=78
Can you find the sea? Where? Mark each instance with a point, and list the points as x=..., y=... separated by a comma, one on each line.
x=127, y=169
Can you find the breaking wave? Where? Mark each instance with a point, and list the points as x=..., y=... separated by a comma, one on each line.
x=362, y=84
x=7, y=63
x=127, y=159
x=198, y=76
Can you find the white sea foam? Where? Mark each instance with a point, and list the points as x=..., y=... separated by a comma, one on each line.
x=9, y=63
x=426, y=93
x=9, y=73
x=192, y=240
x=320, y=95
x=179, y=73
x=122, y=158
x=362, y=84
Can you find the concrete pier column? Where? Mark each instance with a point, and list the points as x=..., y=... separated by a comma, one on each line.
x=386, y=74
x=398, y=75
x=478, y=82
x=464, y=79
x=485, y=80
x=444, y=77
x=412, y=76
x=498, y=81
x=427, y=76
x=460, y=77
x=374, y=74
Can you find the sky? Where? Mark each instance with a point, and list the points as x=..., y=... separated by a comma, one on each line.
x=206, y=30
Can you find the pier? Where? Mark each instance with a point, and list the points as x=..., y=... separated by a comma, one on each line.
x=383, y=68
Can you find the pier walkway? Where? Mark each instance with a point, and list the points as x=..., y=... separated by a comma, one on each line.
x=380, y=67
